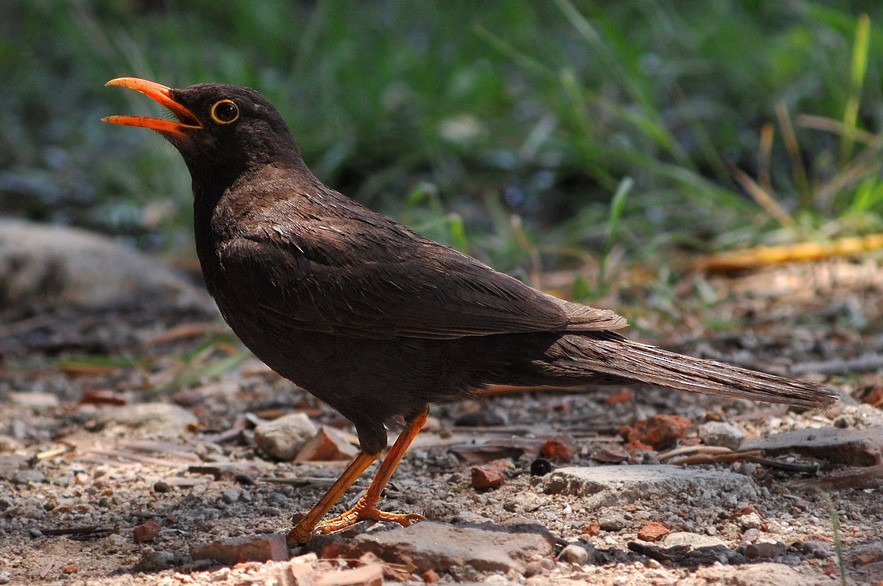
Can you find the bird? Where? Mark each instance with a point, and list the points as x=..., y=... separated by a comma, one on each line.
x=374, y=319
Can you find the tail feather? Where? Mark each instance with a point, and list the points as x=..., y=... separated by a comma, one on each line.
x=617, y=356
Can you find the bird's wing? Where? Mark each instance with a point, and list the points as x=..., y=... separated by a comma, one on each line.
x=334, y=279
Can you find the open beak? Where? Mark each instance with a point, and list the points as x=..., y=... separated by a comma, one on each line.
x=163, y=95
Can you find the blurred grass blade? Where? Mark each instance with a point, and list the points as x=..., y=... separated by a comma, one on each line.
x=617, y=205
x=864, y=164
x=646, y=117
x=764, y=155
x=836, y=535
x=868, y=196
x=457, y=232
x=856, y=83
x=793, y=148
x=834, y=127
x=763, y=198
x=536, y=268
x=508, y=49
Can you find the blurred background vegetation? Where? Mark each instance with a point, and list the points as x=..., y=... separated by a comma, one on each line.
x=520, y=131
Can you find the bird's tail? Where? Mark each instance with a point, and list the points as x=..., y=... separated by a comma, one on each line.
x=610, y=354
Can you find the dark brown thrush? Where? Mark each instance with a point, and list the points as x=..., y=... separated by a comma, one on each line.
x=372, y=318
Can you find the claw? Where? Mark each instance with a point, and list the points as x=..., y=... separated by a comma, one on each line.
x=366, y=513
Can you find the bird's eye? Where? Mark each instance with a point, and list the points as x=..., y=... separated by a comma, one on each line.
x=225, y=112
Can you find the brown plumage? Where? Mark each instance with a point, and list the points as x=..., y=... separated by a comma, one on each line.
x=372, y=318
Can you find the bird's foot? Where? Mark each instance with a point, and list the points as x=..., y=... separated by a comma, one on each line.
x=364, y=510
x=370, y=513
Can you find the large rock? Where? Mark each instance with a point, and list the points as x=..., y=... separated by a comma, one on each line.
x=617, y=485
x=853, y=447
x=55, y=265
x=452, y=549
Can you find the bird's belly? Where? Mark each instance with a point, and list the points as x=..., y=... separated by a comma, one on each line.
x=396, y=377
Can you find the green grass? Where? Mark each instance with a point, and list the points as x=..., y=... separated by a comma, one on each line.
x=505, y=129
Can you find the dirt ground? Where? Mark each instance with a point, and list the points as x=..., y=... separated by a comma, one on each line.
x=78, y=475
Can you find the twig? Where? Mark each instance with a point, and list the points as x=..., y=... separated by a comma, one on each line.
x=864, y=363
x=82, y=530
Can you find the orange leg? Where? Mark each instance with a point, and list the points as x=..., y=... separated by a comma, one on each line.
x=365, y=508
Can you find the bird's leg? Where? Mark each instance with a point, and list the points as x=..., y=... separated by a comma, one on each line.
x=302, y=532
x=365, y=508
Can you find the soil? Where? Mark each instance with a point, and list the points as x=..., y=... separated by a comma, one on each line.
x=78, y=476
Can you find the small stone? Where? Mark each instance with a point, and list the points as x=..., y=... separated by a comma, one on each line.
x=611, y=454
x=483, y=418
x=490, y=475
x=756, y=574
x=297, y=574
x=11, y=465
x=260, y=548
x=721, y=433
x=329, y=444
x=817, y=549
x=230, y=496
x=155, y=419
x=283, y=438
x=659, y=431
x=541, y=467
x=691, y=540
x=612, y=522
x=559, y=449
x=28, y=476
x=154, y=561
x=574, y=554
x=34, y=400
x=35, y=533
x=653, y=531
x=161, y=487
x=367, y=575
x=146, y=531
x=763, y=550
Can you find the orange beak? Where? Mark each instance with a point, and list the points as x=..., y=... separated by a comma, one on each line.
x=161, y=94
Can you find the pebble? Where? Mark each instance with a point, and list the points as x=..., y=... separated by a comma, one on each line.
x=541, y=467
x=34, y=400
x=154, y=419
x=283, y=438
x=691, y=540
x=161, y=487
x=575, y=554
x=154, y=561
x=28, y=476
x=230, y=496
x=721, y=433
x=817, y=549
x=612, y=522
x=764, y=550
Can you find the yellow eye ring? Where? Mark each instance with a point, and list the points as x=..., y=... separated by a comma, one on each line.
x=225, y=112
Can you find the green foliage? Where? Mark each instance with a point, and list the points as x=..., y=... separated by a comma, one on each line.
x=502, y=111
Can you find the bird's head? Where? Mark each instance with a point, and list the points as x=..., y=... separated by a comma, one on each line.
x=221, y=130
